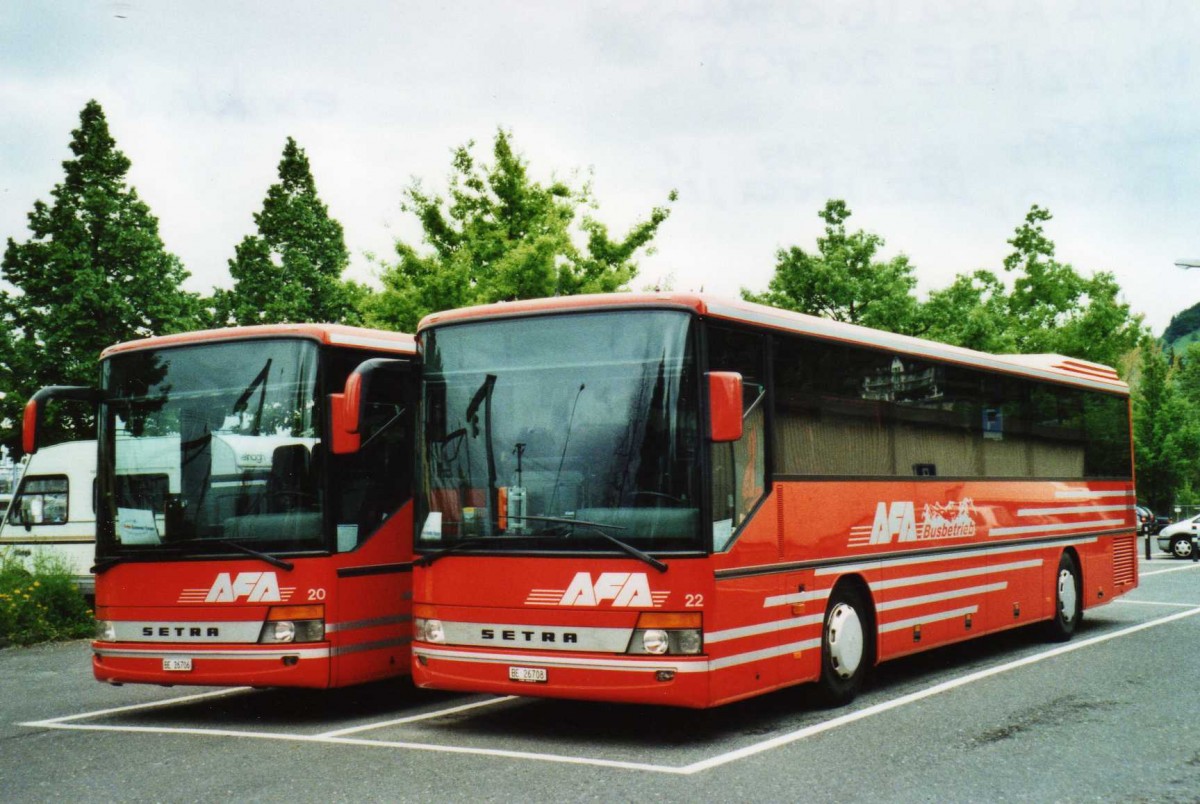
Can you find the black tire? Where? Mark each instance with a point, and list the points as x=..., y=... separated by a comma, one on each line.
x=847, y=646
x=1181, y=546
x=1068, y=600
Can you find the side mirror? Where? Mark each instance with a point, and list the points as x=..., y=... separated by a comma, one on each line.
x=36, y=406
x=347, y=410
x=724, y=406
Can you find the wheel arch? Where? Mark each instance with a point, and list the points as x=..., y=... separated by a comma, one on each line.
x=859, y=584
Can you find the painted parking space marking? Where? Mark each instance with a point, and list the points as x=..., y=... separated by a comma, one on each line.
x=119, y=710
x=1190, y=566
x=1156, y=603
x=416, y=718
x=342, y=736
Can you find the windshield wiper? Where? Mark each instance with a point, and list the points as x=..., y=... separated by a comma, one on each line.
x=600, y=527
x=458, y=547
x=287, y=566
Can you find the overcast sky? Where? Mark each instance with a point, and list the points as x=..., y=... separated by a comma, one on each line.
x=938, y=123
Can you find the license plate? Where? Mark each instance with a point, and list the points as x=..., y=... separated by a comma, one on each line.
x=177, y=665
x=532, y=675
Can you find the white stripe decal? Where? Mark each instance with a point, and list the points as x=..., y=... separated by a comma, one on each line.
x=1021, y=548
x=972, y=551
x=679, y=664
x=1099, y=523
x=1076, y=509
x=795, y=597
x=941, y=596
x=917, y=580
x=683, y=664
x=760, y=655
x=1069, y=494
x=761, y=628
x=929, y=618
x=150, y=652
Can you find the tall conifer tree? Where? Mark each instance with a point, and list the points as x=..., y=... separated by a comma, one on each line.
x=291, y=270
x=94, y=272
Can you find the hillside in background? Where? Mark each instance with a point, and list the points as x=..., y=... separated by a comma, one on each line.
x=1183, y=329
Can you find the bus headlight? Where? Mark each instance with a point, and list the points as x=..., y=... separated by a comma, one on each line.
x=660, y=633
x=106, y=631
x=430, y=630
x=288, y=624
x=655, y=641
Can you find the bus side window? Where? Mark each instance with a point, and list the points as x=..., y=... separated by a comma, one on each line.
x=739, y=468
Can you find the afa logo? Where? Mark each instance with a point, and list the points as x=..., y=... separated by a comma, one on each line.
x=898, y=521
x=250, y=587
x=624, y=589
x=256, y=587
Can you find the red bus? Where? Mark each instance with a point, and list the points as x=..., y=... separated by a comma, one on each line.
x=239, y=541
x=681, y=500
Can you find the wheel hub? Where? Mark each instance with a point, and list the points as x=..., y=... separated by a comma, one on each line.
x=844, y=632
x=1066, y=595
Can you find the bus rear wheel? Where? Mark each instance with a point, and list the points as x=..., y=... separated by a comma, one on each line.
x=1068, y=602
x=847, y=646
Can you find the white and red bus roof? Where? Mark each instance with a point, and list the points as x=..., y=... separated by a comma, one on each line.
x=1056, y=368
x=330, y=334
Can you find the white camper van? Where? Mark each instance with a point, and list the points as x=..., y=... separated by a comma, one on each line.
x=53, y=511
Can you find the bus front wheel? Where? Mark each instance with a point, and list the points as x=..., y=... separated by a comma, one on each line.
x=846, y=646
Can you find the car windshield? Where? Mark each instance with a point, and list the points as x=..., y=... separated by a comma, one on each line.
x=561, y=431
x=203, y=445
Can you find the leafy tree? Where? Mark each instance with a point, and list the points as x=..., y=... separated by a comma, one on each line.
x=501, y=236
x=290, y=271
x=844, y=280
x=972, y=311
x=1053, y=308
x=1166, y=432
x=1050, y=307
x=94, y=272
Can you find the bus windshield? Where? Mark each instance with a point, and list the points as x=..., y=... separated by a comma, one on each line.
x=561, y=432
x=204, y=446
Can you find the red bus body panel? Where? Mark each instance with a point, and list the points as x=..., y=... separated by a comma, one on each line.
x=366, y=595
x=943, y=560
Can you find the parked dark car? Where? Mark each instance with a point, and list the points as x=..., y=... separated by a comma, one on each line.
x=1150, y=522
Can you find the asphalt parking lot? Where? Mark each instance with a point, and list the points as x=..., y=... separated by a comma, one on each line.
x=1110, y=714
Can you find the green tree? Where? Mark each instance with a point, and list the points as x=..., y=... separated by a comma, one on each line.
x=972, y=311
x=844, y=280
x=93, y=272
x=1053, y=308
x=291, y=270
x=1166, y=432
x=501, y=236
x=1045, y=306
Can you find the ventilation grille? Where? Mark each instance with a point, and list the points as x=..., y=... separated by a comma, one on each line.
x=1125, y=561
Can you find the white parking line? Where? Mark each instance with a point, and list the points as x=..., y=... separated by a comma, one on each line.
x=134, y=707
x=415, y=718
x=339, y=738
x=936, y=689
x=1155, y=603
x=1189, y=566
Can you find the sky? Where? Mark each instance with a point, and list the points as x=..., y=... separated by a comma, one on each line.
x=939, y=123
